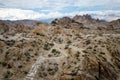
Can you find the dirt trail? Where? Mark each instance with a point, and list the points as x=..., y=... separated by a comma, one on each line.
x=41, y=59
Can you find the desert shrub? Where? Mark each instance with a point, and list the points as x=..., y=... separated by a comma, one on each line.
x=85, y=51
x=95, y=46
x=77, y=54
x=69, y=42
x=46, y=46
x=66, y=47
x=103, y=46
x=20, y=66
x=102, y=53
x=52, y=70
x=36, y=54
x=4, y=64
x=40, y=34
x=53, y=50
x=7, y=75
x=25, y=72
x=10, y=43
x=89, y=47
x=51, y=44
x=49, y=55
x=87, y=42
x=9, y=66
x=1, y=51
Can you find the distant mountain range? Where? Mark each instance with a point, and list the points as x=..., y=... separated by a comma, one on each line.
x=86, y=20
x=29, y=23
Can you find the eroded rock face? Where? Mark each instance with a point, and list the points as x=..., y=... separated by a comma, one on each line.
x=67, y=23
x=114, y=24
x=62, y=21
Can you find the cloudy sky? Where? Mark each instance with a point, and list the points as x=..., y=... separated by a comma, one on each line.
x=47, y=9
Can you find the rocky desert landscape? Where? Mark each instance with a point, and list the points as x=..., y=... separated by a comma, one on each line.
x=78, y=48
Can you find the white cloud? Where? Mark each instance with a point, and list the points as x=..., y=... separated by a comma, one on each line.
x=15, y=9
x=19, y=14
x=58, y=4
x=107, y=15
x=32, y=4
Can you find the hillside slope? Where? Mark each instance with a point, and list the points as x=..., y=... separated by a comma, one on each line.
x=65, y=49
